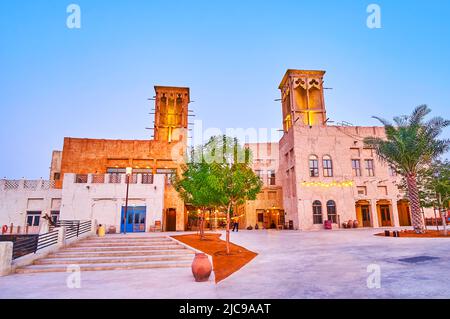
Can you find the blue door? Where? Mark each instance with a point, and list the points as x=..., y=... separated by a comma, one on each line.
x=135, y=219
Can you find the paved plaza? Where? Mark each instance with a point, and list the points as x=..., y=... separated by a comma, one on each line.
x=290, y=264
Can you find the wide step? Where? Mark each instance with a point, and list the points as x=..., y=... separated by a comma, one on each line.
x=125, y=243
x=109, y=260
x=115, y=252
x=145, y=242
x=99, y=267
x=127, y=237
x=117, y=248
x=113, y=239
x=77, y=254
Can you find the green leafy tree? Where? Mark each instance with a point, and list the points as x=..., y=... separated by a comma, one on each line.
x=441, y=185
x=410, y=146
x=236, y=181
x=433, y=183
x=440, y=182
x=197, y=187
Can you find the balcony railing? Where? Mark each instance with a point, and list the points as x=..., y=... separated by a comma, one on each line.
x=41, y=185
x=81, y=178
x=98, y=179
x=27, y=185
x=133, y=179
x=147, y=178
x=113, y=178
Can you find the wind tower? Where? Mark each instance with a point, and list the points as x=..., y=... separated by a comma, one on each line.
x=302, y=98
x=171, y=113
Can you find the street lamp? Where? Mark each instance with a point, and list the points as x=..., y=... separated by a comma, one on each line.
x=128, y=172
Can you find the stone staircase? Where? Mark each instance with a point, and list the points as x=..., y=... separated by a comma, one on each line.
x=115, y=252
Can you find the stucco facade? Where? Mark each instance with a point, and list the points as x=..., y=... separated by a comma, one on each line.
x=267, y=210
x=317, y=171
x=161, y=155
x=326, y=172
x=21, y=200
x=104, y=201
x=341, y=145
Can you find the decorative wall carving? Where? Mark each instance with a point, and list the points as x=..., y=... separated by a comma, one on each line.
x=307, y=83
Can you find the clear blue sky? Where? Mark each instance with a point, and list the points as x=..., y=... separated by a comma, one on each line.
x=94, y=82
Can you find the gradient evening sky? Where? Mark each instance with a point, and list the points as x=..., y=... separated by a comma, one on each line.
x=95, y=81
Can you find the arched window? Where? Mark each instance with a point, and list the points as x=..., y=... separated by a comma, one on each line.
x=317, y=212
x=331, y=211
x=313, y=166
x=327, y=164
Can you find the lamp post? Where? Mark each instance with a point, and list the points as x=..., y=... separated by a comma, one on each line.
x=128, y=173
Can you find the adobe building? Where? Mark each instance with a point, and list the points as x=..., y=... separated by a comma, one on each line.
x=101, y=161
x=267, y=210
x=326, y=172
x=317, y=172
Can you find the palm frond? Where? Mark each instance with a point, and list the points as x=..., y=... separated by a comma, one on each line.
x=401, y=120
x=383, y=121
x=418, y=114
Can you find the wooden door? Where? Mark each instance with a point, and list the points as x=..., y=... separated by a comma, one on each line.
x=385, y=215
x=365, y=212
x=171, y=219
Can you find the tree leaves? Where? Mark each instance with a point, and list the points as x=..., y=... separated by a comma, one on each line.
x=410, y=147
x=413, y=143
x=217, y=173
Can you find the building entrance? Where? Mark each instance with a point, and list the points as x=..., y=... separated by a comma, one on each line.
x=135, y=222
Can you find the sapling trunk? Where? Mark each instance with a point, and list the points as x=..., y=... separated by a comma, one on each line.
x=444, y=221
x=228, y=229
x=202, y=225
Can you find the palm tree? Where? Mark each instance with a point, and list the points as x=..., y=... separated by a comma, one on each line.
x=411, y=145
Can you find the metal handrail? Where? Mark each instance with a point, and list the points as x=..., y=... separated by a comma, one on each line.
x=29, y=245
x=33, y=244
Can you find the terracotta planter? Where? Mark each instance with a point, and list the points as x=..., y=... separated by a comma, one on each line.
x=350, y=224
x=355, y=224
x=201, y=267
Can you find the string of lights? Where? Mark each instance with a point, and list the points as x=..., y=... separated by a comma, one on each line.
x=329, y=184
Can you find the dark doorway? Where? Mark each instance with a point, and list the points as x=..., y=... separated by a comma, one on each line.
x=385, y=215
x=365, y=212
x=171, y=219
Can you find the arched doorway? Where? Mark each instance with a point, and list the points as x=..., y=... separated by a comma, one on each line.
x=363, y=213
x=331, y=211
x=404, y=215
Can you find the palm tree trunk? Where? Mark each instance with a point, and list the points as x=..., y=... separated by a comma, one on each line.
x=228, y=228
x=413, y=195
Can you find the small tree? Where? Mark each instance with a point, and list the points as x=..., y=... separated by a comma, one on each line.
x=196, y=187
x=433, y=184
x=410, y=146
x=436, y=182
x=440, y=171
x=236, y=181
x=428, y=197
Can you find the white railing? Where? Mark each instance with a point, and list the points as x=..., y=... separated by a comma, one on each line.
x=113, y=178
x=40, y=184
x=29, y=185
